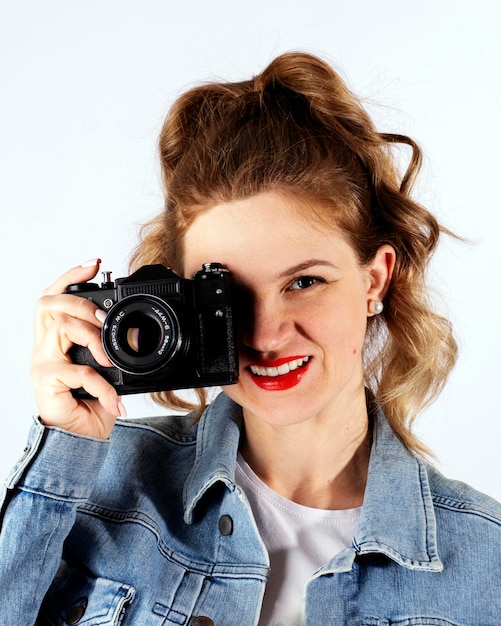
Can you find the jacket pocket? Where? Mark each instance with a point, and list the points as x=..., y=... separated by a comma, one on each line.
x=84, y=600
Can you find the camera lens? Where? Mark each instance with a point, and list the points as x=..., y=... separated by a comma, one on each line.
x=141, y=334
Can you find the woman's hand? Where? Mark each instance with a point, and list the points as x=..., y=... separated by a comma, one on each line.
x=61, y=321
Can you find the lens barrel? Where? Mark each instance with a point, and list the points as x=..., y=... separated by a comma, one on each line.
x=141, y=334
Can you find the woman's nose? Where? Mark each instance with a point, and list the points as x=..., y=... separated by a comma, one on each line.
x=266, y=326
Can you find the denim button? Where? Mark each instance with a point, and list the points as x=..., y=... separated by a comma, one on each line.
x=202, y=620
x=225, y=525
x=75, y=614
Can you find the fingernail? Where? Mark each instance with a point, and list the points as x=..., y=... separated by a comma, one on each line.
x=121, y=409
x=101, y=315
x=91, y=263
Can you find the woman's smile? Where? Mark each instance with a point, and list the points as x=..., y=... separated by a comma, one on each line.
x=280, y=374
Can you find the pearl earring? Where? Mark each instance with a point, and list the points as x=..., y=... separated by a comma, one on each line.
x=376, y=307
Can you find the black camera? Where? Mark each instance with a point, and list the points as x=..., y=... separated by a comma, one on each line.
x=163, y=332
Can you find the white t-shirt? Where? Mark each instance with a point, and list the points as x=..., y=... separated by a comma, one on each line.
x=299, y=540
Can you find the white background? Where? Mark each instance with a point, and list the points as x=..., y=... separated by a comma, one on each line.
x=84, y=89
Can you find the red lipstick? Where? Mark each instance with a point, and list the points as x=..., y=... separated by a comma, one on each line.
x=280, y=382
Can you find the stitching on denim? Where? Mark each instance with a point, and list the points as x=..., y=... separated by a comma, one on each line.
x=225, y=570
x=469, y=508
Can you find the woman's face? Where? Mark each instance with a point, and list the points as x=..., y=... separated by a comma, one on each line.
x=304, y=301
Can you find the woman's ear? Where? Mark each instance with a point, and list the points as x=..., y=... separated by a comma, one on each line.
x=380, y=271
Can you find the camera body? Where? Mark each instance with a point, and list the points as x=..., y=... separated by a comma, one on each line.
x=163, y=332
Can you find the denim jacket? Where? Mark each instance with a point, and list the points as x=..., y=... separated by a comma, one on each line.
x=150, y=529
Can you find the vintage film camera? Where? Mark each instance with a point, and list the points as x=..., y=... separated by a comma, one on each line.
x=163, y=332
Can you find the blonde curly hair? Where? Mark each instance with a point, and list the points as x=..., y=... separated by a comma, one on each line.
x=297, y=129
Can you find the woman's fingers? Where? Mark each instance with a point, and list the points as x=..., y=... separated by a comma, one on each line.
x=63, y=320
x=65, y=330
x=55, y=301
x=54, y=377
x=57, y=406
x=79, y=274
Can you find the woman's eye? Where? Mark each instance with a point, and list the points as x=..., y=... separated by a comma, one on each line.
x=305, y=282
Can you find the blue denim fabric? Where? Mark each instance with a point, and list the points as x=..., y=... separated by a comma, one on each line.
x=153, y=531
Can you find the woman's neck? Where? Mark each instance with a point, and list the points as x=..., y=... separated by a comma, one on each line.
x=320, y=463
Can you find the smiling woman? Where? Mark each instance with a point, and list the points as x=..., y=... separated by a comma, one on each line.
x=300, y=495
x=301, y=309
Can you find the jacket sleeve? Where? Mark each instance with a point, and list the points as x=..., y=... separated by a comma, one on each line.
x=38, y=506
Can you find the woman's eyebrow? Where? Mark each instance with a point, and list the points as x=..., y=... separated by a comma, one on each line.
x=305, y=265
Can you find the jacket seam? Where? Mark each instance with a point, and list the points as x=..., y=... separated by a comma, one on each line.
x=430, y=530
x=468, y=508
x=173, y=436
x=66, y=499
x=197, y=567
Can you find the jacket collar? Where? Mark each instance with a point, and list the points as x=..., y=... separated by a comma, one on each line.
x=397, y=517
x=218, y=439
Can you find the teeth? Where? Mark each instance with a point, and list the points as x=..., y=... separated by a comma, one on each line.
x=285, y=368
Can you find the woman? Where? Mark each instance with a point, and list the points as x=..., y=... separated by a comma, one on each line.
x=300, y=495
